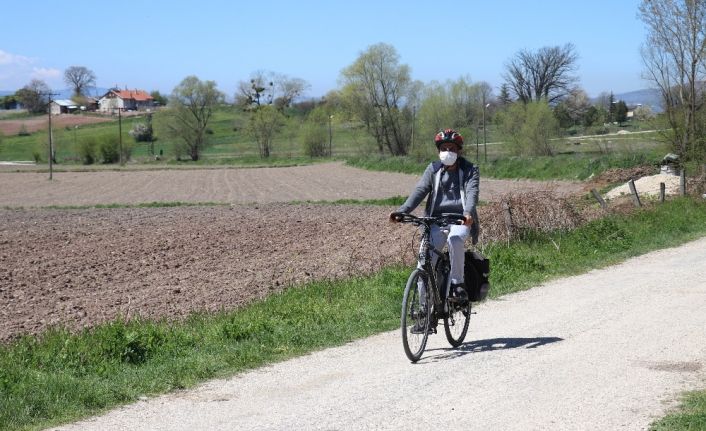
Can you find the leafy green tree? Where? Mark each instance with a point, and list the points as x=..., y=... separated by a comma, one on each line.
x=191, y=106
x=379, y=91
x=34, y=96
x=314, y=134
x=263, y=126
x=621, y=112
x=529, y=128
x=159, y=98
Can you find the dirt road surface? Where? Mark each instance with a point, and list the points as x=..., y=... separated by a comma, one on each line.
x=329, y=181
x=607, y=350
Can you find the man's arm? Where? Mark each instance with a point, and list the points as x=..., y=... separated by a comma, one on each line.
x=420, y=191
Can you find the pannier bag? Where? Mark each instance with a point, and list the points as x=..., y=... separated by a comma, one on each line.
x=476, y=270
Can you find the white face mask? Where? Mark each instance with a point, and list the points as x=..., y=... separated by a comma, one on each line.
x=448, y=158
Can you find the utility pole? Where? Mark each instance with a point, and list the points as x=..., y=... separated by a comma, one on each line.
x=330, y=136
x=51, y=145
x=120, y=134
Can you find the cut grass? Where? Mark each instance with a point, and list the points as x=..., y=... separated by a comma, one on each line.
x=62, y=376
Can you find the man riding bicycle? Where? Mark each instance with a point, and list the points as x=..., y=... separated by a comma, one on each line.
x=452, y=186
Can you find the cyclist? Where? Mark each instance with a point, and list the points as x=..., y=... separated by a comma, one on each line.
x=452, y=186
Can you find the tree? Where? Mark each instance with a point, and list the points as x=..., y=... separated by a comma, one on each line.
x=191, y=106
x=266, y=88
x=159, y=98
x=313, y=134
x=545, y=74
x=379, y=91
x=264, y=124
x=675, y=60
x=34, y=96
x=504, y=98
x=529, y=128
x=80, y=79
x=621, y=112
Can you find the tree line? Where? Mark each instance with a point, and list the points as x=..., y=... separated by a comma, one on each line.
x=539, y=97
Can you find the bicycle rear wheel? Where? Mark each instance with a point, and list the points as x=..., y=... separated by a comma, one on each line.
x=415, y=320
x=456, y=322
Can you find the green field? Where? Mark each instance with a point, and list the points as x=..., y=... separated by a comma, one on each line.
x=578, y=157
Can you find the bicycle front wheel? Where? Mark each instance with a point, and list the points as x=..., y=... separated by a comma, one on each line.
x=415, y=320
x=456, y=322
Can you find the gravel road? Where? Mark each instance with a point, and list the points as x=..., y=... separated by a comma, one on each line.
x=610, y=349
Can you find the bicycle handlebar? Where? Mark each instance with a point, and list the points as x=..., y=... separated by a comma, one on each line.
x=442, y=220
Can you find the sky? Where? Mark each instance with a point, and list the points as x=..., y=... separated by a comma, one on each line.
x=154, y=44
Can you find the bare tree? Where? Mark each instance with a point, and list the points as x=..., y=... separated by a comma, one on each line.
x=191, y=105
x=377, y=89
x=675, y=59
x=542, y=75
x=80, y=79
x=266, y=88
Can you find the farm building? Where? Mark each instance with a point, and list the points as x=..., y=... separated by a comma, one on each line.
x=128, y=100
x=63, y=106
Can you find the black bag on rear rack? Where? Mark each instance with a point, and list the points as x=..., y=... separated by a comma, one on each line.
x=476, y=270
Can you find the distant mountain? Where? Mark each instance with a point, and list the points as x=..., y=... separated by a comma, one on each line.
x=6, y=93
x=646, y=96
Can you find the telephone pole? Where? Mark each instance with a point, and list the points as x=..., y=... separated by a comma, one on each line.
x=51, y=144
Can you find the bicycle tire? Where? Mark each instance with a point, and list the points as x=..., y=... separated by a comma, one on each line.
x=415, y=343
x=456, y=322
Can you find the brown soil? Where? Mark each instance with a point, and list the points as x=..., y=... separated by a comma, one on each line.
x=12, y=127
x=79, y=268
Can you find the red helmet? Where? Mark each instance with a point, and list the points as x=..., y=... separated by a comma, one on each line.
x=448, y=135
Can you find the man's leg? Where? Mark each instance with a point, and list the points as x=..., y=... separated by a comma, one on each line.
x=457, y=247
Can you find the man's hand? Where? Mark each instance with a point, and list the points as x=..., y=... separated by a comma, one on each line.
x=394, y=217
x=467, y=220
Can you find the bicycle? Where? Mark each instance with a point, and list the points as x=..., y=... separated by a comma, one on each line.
x=423, y=302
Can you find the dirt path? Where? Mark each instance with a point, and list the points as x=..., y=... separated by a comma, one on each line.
x=329, y=181
x=609, y=350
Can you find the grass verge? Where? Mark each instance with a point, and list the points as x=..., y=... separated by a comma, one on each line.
x=690, y=417
x=62, y=376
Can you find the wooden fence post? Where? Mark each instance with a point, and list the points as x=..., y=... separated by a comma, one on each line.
x=635, y=196
x=599, y=198
x=661, y=192
x=508, y=219
x=682, y=183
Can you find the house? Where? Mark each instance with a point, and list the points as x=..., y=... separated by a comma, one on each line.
x=62, y=106
x=126, y=100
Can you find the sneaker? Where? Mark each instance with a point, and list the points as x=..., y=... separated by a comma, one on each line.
x=418, y=327
x=458, y=293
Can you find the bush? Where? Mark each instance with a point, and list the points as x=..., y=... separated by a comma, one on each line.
x=23, y=131
x=110, y=149
x=141, y=132
x=313, y=138
x=529, y=129
x=87, y=149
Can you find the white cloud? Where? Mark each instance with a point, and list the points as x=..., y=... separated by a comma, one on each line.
x=45, y=73
x=7, y=58
x=17, y=70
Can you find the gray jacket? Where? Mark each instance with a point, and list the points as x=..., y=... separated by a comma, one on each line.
x=428, y=185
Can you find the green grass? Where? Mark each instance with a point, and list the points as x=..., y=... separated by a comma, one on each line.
x=61, y=376
x=575, y=166
x=690, y=417
x=389, y=202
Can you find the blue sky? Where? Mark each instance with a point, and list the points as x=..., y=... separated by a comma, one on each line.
x=153, y=45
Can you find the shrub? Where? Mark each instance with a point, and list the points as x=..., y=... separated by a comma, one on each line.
x=110, y=149
x=313, y=138
x=87, y=149
x=23, y=131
